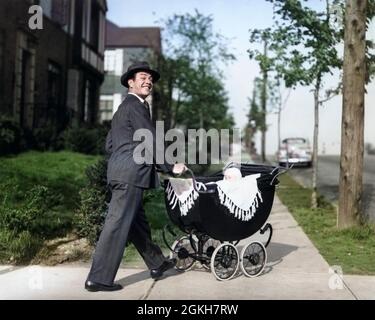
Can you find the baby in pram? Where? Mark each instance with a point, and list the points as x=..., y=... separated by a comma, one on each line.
x=232, y=174
x=239, y=194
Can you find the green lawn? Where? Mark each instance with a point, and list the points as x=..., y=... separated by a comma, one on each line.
x=63, y=175
x=352, y=249
x=63, y=172
x=39, y=192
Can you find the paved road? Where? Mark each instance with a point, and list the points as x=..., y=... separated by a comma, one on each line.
x=328, y=180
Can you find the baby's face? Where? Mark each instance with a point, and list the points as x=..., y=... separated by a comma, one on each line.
x=228, y=176
x=232, y=174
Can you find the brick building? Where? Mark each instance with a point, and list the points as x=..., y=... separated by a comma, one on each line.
x=51, y=76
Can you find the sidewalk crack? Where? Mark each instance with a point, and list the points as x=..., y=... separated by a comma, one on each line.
x=148, y=292
x=347, y=287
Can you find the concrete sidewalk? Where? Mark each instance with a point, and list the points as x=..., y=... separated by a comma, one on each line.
x=295, y=270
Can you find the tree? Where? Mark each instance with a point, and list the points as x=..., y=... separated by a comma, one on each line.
x=193, y=54
x=256, y=119
x=191, y=91
x=281, y=100
x=192, y=94
x=265, y=65
x=303, y=42
x=370, y=45
x=268, y=91
x=172, y=88
x=352, y=134
x=264, y=70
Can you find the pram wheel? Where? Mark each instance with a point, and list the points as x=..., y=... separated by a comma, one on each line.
x=253, y=259
x=209, y=247
x=225, y=261
x=182, y=251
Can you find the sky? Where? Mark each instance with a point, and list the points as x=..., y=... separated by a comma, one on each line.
x=233, y=19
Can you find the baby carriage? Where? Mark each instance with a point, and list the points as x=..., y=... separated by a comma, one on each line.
x=215, y=215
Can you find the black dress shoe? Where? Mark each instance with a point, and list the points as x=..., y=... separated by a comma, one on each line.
x=166, y=265
x=94, y=286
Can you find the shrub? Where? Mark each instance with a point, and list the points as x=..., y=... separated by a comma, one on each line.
x=18, y=247
x=46, y=138
x=39, y=193
x=88, y=140
x=90, y=216
x=14, y=139
x=10, y=136
x=24, y=227
x=30, y=216
x=95, y=198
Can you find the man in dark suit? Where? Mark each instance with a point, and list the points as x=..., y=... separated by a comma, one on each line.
x=127, y=178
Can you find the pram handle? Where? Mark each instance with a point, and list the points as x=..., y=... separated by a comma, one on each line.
x=195, y=183
x=284, y=170
x=277, y=169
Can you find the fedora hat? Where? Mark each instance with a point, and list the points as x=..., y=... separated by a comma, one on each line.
x=137, y=67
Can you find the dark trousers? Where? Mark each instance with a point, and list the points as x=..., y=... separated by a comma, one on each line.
x=126, y=220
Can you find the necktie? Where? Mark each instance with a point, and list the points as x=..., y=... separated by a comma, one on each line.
x=147, y=108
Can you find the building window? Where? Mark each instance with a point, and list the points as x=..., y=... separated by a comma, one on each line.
x=47, y=7
x=24, y=81
x=101, y=32
x=54, y=86
x=113, y=62
x=2, y=44
x=86, y=110
x=91, y=24
x=86, y=12
x=72, y=16
x=90, y=103
x=110, y=61
x=26, y=84
x=56, y=10
x=60, y=12
x=105, y=109
x=94, y=27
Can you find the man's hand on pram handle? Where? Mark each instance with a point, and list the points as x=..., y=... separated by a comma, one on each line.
x=179, y=168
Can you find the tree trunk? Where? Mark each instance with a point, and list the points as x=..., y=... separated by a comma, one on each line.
x=352, y=126
x=264, y=107
x=314, y=200
x=169, y=105
x=279, y=129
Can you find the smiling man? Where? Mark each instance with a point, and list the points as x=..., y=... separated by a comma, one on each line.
x=126, y=219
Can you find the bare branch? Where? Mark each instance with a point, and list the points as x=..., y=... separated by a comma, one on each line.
x=331, y=93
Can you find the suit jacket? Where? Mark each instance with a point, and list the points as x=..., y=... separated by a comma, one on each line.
x=131, y=116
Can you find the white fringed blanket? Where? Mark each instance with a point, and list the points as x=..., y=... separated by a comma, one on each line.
x=181, y=191
x=240, y=196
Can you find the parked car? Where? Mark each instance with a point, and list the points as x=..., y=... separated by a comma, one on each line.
x=295, y=151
